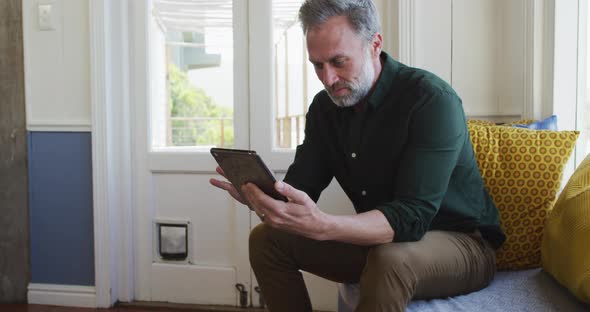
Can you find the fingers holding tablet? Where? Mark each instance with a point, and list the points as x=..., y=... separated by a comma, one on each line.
x=244, y=166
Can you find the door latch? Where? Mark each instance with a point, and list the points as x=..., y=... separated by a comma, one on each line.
x=243, y=295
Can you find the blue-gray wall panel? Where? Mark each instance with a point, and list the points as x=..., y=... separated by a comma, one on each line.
x=62, y=236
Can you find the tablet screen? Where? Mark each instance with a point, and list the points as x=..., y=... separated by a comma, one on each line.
x=243, y=166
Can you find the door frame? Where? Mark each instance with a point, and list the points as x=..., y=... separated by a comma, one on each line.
x=111, y=152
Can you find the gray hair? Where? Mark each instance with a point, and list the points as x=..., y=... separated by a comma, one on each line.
x=362, y=15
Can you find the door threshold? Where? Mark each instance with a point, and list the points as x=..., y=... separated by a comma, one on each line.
x=181, y=307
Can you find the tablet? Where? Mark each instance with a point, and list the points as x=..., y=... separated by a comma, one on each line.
x=243, y=166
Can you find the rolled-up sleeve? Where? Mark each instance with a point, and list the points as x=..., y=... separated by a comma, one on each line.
x=436, y=135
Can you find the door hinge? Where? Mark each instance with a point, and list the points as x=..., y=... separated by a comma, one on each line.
x=260, y=297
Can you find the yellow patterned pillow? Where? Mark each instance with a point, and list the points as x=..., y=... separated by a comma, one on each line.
x=519, y=122
x=522, y=171
x=480, y=122
x=566, y=243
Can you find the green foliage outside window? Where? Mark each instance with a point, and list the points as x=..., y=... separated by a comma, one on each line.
x=196, y=118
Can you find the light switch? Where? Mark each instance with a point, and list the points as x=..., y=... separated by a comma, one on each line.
x=46, y=17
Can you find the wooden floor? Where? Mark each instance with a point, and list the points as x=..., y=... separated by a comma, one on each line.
x=127, y=307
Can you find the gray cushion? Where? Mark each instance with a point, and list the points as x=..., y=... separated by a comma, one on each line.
x=527, y=290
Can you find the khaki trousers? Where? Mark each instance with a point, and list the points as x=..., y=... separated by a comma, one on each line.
x=440, y=265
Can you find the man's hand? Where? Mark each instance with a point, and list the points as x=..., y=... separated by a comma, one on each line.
x=224, y=185
x=299, y=216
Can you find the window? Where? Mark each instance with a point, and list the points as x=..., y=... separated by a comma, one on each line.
x=295, y=81
x=197, y=106
x=200, y=54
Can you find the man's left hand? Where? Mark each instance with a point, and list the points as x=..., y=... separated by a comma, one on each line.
x=300, y=215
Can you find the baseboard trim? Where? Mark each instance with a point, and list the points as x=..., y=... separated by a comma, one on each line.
x=62, y=295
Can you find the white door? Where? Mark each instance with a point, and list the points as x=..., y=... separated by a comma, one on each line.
x=215, y=75
x=191, y=239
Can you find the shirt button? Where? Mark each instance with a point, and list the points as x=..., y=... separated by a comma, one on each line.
x=364, y=193
x=353, y=155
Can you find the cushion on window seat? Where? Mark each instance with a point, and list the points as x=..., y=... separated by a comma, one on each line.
x=522, y=170
x=566, y=242
x=527, y=290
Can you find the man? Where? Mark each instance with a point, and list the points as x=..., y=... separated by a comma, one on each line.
x=396, y=140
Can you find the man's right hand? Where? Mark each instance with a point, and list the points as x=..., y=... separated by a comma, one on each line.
x=224, y=185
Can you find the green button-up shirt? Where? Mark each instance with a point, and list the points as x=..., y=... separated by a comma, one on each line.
x=406, y=153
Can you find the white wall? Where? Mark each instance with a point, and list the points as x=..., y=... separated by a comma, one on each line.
x=387, y=13
x=433, y=37
x=479, y=47
x=57, y=67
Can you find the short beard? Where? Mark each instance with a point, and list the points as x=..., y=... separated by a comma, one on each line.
x=358, y=89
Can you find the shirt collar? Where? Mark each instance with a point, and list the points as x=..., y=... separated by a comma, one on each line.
x=385, y=82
